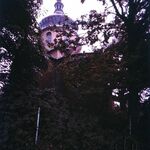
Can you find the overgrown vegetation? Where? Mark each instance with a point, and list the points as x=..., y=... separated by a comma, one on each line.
x=76, y=106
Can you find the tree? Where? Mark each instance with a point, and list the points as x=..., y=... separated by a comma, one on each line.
x=18, y=36
x=130, y=26
x=19, y=43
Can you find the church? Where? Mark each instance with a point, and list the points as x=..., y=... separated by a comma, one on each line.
x=78, y=86
x=58, y=37
x=70, y=72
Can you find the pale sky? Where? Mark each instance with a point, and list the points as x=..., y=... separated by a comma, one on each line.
x=73, y=8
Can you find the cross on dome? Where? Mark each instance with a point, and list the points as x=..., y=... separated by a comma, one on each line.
x=59, y=7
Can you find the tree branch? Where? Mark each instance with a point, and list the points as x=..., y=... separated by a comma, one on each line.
x=121, y=16
x=122, y=12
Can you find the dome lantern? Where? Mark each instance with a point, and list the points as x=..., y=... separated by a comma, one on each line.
x=59, y=7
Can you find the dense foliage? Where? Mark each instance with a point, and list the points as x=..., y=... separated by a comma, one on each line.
x=76, y=97
x=19, y=37
x=129, y=26
x=21, y=59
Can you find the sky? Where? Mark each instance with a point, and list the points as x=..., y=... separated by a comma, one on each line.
x=73, y=8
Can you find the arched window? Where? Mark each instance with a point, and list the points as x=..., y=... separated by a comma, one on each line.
x=49, y=37
x=66, y=40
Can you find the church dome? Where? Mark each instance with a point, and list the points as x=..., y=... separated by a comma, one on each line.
x=58, y=18
x=51, y=27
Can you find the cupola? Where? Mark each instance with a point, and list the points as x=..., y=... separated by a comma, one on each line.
x=48, y=27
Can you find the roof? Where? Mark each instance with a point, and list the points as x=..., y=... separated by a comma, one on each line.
x=56, y=20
